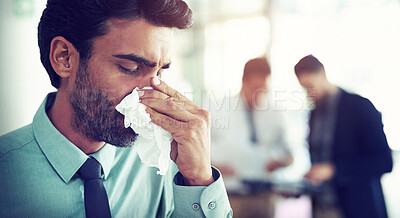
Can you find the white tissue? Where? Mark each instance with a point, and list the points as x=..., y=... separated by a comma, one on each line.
x=153, y=143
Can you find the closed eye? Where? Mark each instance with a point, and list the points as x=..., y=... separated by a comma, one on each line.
x=128, y=71
x=167, y=66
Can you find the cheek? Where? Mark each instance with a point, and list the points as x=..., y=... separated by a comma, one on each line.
x=116, y=84
x=262, y=85
x=123, y=86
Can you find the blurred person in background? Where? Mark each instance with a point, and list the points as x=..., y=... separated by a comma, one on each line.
x=348, y=148
x=253, y=144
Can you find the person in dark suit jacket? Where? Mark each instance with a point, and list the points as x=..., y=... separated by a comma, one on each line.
x=348, y=148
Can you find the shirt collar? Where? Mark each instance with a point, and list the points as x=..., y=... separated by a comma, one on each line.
x=105, y=156
x=63, y=155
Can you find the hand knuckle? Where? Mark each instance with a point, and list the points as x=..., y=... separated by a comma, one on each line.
x=149, y=93
x=191, y=133
x=176, y=95
x=206, y=114
x=169, y=104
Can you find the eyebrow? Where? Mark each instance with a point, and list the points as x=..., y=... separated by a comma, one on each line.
x=140, y=60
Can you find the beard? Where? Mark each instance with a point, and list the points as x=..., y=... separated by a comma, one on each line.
x=94, y=113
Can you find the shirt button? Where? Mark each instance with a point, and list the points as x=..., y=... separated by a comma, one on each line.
x=196, y=206
x=211, y=205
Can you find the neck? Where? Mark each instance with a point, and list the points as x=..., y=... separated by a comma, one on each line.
x=329, y=90
x=60, y=114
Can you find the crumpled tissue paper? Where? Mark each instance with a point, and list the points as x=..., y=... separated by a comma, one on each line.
x=153, y=143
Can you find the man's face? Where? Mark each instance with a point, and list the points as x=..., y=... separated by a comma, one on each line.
x=255, y=86
x=312, y=82
x=128, y=56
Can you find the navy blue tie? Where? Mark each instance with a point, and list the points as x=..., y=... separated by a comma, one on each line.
x=252, y=125
x=96, y=200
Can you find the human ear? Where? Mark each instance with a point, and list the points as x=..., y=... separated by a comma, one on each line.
x=64, y=58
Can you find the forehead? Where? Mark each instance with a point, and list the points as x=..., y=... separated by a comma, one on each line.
x=137, y=37
x=307, y=78
x=257, y=77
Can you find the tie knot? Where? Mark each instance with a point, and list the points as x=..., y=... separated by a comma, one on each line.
x=91, y=169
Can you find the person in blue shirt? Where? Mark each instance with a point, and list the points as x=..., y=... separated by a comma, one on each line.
x=76, y=158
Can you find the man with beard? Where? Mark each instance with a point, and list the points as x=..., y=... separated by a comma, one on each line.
x=76, y=159
x=348, y=148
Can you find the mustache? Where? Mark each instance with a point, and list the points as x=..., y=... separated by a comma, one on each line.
x=94, y=113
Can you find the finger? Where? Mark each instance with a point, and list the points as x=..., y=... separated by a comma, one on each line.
x=168, y=107
x=309, y=175
x=184, y=102
x=151, y=93
x=311, y=179
x=167, y=123
x=164, y=88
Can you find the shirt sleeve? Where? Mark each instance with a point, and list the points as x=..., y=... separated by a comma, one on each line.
x=201, y=201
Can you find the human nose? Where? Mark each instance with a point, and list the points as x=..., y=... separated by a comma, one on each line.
x=145, y=80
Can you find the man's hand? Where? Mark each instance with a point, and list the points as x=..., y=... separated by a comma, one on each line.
x=189, y=125
x=276, y=164
x=320, y=173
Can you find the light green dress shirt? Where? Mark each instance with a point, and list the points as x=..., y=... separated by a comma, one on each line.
x=38, y=178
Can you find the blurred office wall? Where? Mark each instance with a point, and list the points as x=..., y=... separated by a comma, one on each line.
x=23, y=80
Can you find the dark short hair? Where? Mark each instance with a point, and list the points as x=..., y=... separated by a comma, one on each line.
x=309, y=64
x=80, y=21
x=256, y=66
